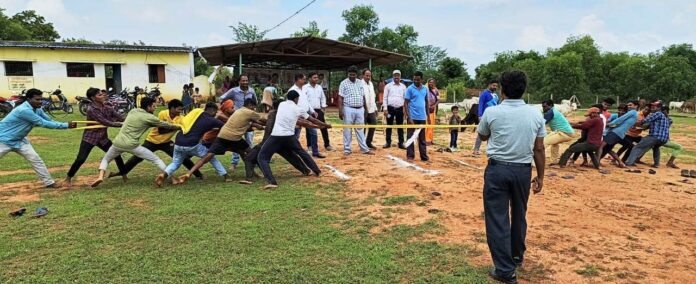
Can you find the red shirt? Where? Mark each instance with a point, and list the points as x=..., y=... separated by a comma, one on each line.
x=594, y=127
x=607, y=114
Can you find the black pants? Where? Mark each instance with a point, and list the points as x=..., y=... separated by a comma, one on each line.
x=83, y=154
x=505, y=196
x=370, y=119
x=422, y=150
x=395, y=115
x=324, y=131
x=580, y=148
x=252, y=160
x=167, y=147
x=277, y=144
x=454, y=135
x=626, y=146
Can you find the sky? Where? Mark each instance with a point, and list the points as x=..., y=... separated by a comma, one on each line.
x=472, y=30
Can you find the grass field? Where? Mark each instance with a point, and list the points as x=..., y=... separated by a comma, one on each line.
x=207, y=231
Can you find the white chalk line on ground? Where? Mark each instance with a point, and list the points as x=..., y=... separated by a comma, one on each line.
x=466, y=164
x=337, y=173
x=405, y=164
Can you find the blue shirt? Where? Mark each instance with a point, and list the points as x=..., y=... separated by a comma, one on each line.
x=621, y=124
x=237, y=95
x=17, y=125
x=417, y=109
x=486, y=99
x=513, y=127
x=204, y=123
x=659, y=125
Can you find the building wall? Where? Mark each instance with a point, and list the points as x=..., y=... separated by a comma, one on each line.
x=49, y=68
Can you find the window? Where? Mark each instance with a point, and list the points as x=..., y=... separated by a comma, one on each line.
x=80, y=69
x=18, y=68
x=156, y=73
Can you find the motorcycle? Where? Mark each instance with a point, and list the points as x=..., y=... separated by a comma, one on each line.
x=122, y=102
x=49, y=105
x=7, y=105
x=156, y=95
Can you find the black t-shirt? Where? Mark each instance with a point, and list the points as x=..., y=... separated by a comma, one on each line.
x=203, y=124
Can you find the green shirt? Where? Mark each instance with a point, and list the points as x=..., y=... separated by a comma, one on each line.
x=560, y=123
x=136, y=124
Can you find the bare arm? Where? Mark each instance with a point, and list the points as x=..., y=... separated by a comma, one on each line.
x=540, y=162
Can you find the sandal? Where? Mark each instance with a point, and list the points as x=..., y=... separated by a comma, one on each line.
x=40, y=212
x=18, y=212
x=634, y=171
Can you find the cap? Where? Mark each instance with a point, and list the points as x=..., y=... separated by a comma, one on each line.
x=396, y=72
x=228, y=104
x=591, y=110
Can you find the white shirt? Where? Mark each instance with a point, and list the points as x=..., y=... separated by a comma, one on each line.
x=369, y=91
x=303, y=102
x=315, y=95
x=286, y=118
x=394, y=94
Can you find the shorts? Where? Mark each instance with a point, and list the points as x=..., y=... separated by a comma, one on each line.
x=612, y=138
x=220, y=146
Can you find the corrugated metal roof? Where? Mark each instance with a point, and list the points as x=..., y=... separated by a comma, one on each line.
x=62, y=45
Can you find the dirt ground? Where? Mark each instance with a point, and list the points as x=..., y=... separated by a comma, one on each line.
x=617, y=227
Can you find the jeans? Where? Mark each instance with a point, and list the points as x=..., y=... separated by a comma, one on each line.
x=645, y=144
x=83, y=154
x=312, y=140
x=27, y=151
x=182, y=153
x=140, y=152
x=324, y=131
x=167, y=148
x=627, y=146
x=580, y=148
x=453, y=138
x=422, y=150
x=505, y=196
x=553, y=140
x=371, y=119
x=395, y=115
x=354, y=116
x=249, y=138
x=277, y=144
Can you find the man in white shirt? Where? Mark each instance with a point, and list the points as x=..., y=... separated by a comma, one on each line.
x=283, y=136
x=370, y=106
x=317, y=101
x=393, y=107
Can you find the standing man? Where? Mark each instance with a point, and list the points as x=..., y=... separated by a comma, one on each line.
x=105, y=115
x=659, y=135
x=136, y=124
x=303, y=101
x=370, y=106
x=561, y=130
x=16, y=126
x=324, y=83
x=515, y=134
x=393, y=107
x=317, y=101
x=239, y=95
x=594, y=127
x=416, y=110
x=351, y=109
x=160, y=139
x=487, y=99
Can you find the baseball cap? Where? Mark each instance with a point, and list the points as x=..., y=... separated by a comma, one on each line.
x=591, y=110
x=396, y=72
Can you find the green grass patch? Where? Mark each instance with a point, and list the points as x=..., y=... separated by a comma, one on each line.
x=398, y=200
x=589, y=271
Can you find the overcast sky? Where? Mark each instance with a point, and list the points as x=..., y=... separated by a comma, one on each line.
x=473, y=30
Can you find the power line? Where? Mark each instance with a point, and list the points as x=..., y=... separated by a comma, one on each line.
x=295, y=14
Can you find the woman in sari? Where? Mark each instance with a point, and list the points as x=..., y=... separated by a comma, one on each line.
x=433, y=100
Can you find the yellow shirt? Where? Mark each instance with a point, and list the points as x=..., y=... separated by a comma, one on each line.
x=238, y=124
x=158, y=138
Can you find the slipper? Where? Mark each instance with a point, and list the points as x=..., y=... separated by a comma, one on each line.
x=18, y=212
x=433, y=210
x=634, y=171
x=604, y=172
x=270, y=186
x=435, y=193
x=693, y=173
x=40, y=212
x=568, y=177
x=686, y=181
x=552, y=174
x=247, y=182
x=685, y=173
x=652, y=172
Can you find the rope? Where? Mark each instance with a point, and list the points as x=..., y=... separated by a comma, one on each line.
x=403, y=126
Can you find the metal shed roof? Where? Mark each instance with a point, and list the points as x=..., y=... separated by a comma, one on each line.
x=299, y=53
x=63, y=45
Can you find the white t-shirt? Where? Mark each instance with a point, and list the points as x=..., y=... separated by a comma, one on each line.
x=286, y=118
x=394, y=94
x=303, y=102
x=315, y=96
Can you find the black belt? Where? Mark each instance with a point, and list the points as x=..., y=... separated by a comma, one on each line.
x=521, y=165
x=358, y=107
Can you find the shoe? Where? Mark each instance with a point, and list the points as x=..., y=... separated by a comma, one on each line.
x=401, y=146
x=369, y=153
x=54, y=185
x=320, y=156
x=512, y=279
x=386, y=146
x=518, y=262
x=372, y=147
x=329, y=148
x=346, y=153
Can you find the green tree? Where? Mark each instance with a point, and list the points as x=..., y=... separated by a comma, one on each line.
x=361, y=24
x=587, y=49
x=247, y=33
x=201, y=67
x=72, y=40
x=311, y=30
x=630, y=77
x=564, y=77
x=39, y=29
x=673, y=79
x=428, y=57
x=452, y=67
x=685, y=50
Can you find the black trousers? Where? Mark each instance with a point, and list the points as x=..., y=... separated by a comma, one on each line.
x=580, y=148
x=422, y=150
x=395, y=115
x=324, y=131
x=505, y=196
x=371, y=119
x=83, y=154
x=252, y=160
x=167, y=147
x=277, y=144
x=627, y=145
